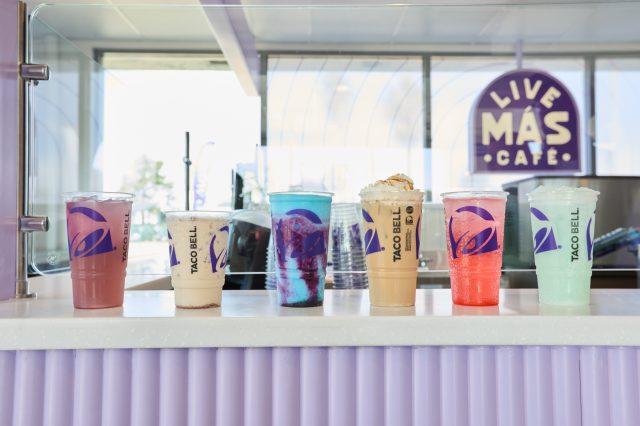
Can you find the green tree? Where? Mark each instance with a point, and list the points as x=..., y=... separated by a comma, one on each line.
x=150, y=186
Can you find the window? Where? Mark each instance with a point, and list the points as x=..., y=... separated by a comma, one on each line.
x=334, y=123
x=133, y=140
x=337, y=123
x=617, y=103
x=146, y=114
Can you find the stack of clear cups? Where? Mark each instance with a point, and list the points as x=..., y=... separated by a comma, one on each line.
x=347, y=254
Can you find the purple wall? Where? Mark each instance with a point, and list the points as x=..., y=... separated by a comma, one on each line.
x=367, y=386
x=8, y=145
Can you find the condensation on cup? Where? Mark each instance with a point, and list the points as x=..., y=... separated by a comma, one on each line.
x=98, y=229
x=198, y=256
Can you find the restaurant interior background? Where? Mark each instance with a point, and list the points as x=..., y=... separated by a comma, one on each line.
x=324, y=98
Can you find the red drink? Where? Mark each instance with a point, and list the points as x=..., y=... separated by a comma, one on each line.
x=475, y=230
x=98, y=225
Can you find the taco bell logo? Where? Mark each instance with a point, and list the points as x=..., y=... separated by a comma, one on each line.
x=418, y=239
x=589, y=240
x=545, y=239
x=218, y=260
x=371, y=239
x=484, y=241
x=173, y=260
x=97, y=241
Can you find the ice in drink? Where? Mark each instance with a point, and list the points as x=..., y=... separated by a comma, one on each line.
x=98, y=225
x=300, y=232
x=198, y=256
x=563, y=222
x=475, y=232
x=392, y=211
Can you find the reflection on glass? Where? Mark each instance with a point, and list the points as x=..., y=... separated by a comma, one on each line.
x=617, y=102
x=392, y=311
x=462, y=310
x=147, y=112
x=68, y=134
x=333, y=120
x=337, y=123
x=557, y=310
x=121, y=127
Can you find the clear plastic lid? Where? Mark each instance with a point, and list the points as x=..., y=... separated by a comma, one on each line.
x=97, y=196
x=414, y=195
x=563, y=193
x=474, y=194
x=197, y=214
x=313, y=193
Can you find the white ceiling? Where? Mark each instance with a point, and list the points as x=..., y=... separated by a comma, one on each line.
x=138, y=25
x=320, y=27
x=587, y=23
x=241, y=28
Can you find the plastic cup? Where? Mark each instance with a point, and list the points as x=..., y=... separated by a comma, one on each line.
x=475, y=230
x=198, y=256
x=98, y=225
x=347, y=249
x=563, y=222
x=391, y=223
x=300, y=232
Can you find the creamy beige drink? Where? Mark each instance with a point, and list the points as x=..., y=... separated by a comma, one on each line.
x=198, y=256
x=391, y=211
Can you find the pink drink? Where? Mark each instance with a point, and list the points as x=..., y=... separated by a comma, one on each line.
x=475, y=231
x=98, y=227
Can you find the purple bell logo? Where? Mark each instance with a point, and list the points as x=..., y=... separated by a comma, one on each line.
x=95, y=242
x=218, y=260
x=545, y=239
x=484, y=241
x=173, y=260
x=589, y=240
x=418, y=238
x=371, y=239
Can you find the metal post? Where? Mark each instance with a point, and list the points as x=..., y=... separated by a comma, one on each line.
x=187, y=166
x=519, y=53
x=589, y=125
x=29, y=74
x=22, y=252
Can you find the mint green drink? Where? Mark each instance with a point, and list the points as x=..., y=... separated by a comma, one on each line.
x=562, y=221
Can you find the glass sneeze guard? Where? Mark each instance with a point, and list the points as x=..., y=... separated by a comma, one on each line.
x=311, y=97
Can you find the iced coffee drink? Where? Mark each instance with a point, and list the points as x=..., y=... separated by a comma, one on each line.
x=198, y=256
x=391, y=211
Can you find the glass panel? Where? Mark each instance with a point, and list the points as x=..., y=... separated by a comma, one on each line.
x=315, y=97
x=617, y=101
x=145, y=133
x=121, y=125
x=67, y=127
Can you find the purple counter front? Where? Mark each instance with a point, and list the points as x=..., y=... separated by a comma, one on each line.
x=440, y=385
x=150, y=364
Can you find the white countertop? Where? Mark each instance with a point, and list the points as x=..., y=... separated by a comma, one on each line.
x=149, y=319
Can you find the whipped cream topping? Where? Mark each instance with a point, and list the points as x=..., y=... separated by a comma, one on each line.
x=397, y=182
x=398, y=187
